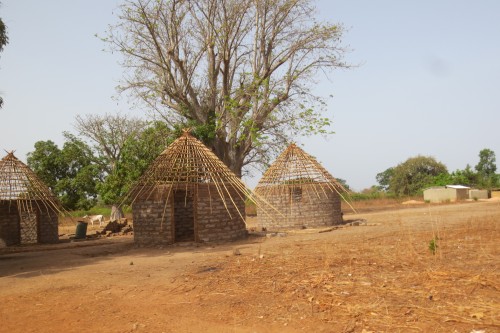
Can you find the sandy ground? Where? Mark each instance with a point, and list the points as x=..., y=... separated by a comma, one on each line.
x=378, y=277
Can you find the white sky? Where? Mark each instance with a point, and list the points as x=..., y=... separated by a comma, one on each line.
x=428, y=81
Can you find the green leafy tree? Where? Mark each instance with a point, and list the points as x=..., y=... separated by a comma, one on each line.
x=442, y=179
x=343, y=182
x=465, y=177
x=69, y=172
x=486, y=169
x=413, y=175
x=46, y=161
x=78, y=187
x=4, y=40
x=384, y=178
x=241, y=71
x=108, y=135
x=136, y=155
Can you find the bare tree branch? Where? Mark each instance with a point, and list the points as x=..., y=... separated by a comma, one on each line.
x=241, y=68
x=108, y=133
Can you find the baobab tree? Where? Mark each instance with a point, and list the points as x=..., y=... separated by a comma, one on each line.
x=241, y=71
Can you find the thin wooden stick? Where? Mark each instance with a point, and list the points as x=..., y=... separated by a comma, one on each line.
x=294, y=168
x=189, y=162
x=18, y=183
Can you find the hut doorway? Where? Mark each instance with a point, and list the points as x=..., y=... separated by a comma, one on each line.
x=183, y=216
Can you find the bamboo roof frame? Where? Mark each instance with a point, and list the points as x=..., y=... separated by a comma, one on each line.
x=188, y=162
x=18, y=183
x=294, y=167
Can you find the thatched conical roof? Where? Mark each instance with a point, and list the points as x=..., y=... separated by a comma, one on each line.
x=296, y=167
x=19, y=183
x=187, y=161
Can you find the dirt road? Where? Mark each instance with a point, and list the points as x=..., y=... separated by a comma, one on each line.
x=379, y=277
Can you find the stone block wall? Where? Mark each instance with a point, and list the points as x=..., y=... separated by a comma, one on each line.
x=149, y=229
x=437, y=195
x=203, y=205
x=28, y=225
x=478, y=194
x=48, y=226
x=9, y=223
x=307, y=205
x=214, y=221
x=45, y=223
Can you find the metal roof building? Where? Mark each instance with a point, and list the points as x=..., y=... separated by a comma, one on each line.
x=448, y=193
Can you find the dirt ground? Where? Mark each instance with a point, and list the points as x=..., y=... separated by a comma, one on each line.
x=380, y=276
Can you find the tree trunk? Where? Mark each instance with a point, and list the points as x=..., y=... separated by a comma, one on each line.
x=116, y=213
x=230, y=155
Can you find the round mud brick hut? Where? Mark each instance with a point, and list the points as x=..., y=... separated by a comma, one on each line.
x=188, y=194
x=302, y=192
x=29, y=211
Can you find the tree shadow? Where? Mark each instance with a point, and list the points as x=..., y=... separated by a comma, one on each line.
x=48, y=259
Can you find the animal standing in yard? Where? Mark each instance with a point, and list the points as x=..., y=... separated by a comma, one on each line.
x=96, y=218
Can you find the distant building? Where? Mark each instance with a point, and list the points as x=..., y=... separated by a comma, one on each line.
x=495, y=193
x=478, y=194
x=446, y=193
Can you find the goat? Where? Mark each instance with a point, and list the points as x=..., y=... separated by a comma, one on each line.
x=96, y=218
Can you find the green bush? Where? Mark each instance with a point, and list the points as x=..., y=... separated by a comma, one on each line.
x=433, y=246
x=96, y=210
x=371, y=196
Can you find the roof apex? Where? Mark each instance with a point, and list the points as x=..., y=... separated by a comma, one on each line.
x=19, y=182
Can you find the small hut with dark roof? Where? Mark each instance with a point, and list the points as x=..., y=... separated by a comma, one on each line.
x=188, y=194
x=29, y=211
x=304, y=193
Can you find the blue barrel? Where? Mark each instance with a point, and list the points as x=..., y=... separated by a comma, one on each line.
x=81, y=230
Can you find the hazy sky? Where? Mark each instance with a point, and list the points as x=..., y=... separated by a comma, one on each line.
x=428, y=80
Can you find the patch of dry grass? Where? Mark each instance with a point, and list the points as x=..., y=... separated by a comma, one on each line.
x=385, y=282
